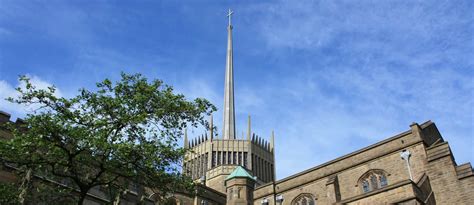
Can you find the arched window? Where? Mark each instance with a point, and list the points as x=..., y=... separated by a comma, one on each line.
x=372, y=180
x=304, y=199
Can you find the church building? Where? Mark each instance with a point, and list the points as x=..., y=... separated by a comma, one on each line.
x=415, y=166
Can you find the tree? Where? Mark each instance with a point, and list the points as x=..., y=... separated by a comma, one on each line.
x=121, y=135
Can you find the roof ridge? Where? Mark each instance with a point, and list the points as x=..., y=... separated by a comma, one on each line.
x=240, y=172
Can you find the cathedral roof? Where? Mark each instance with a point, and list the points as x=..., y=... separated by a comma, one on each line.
x=240, y=172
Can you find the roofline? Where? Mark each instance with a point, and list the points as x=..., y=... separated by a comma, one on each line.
x=248, y=175
x=423, y=125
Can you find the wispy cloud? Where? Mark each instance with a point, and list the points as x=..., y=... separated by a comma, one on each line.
x=329, y=77
x=369, y=69
x=7, y=90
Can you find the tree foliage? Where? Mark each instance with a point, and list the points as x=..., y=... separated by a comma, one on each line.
x=120, y=135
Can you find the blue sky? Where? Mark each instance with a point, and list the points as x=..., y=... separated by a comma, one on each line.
x=329, y=77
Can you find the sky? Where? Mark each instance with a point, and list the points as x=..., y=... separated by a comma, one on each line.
x=329, y=77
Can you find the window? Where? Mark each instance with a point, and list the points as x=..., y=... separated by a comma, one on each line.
x=240, y=158
x=229, y=161
x=365, y=186
x=224, y=157
x=272, y=174
x=372, y=180
x=214, y=156
x=264, y=168
x=234, y=159
x=383, y=180
x=219, y=158
x=193, y=168
x=205, y=162
x=245, y=160
x=252, y=160
x=199, y=168
x=304, y=199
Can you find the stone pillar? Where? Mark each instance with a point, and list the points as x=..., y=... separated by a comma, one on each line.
x=416, y=130
x=240, y=191
x=332, y=187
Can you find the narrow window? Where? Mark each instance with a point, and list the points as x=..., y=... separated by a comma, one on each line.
x=219, y=158
x=193, y=167
x=271, y=167
x=264, y=168
x=245, y=160
x=199, y=160
x=257, y=167
x=383, y=180
x=240, y=158
x=253, y=162
x=234, y=159
x=265, y=163
x=365, y=186
x=205, y=162
x=373, y=182
x=214, y=156
x=229, y=161
x=224, y=157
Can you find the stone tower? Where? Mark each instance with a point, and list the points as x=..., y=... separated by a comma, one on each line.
x=212, y=158
x=240, y=186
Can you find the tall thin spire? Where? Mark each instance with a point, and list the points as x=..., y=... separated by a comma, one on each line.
x=229, y=112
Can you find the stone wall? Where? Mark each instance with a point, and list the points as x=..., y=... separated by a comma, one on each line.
x=450, y=185
x=430, y=157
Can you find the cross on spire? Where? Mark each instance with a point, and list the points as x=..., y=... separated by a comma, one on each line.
x=229, y=113
x=229, y=15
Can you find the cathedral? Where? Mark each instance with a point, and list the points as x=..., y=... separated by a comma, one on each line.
x=415, y=166
x=412, y=167
x=213, y=159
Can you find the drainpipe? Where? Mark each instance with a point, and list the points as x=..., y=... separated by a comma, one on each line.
x=405, y=154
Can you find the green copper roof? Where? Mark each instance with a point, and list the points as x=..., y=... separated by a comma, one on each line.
x=239, y=172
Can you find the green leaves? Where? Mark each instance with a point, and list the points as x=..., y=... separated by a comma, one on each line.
x=123, y=131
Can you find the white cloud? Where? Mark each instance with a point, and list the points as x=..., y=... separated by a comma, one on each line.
x=372, y=69
x=8, y=90
x=363, y=107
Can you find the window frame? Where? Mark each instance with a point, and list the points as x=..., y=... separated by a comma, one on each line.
x=372, y=180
